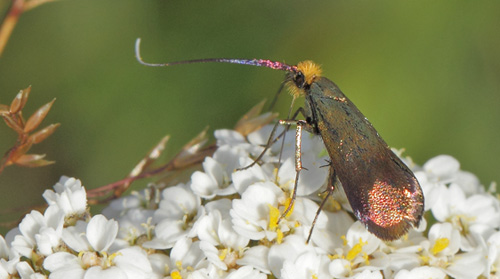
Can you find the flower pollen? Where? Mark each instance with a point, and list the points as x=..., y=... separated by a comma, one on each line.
x=274, y=215
x=176, y=274
x=440, y=245
x=223, y=254
x=355, y=250
x=279, y=237
x=287, y=204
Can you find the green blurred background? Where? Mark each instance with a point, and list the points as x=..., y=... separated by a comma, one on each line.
x=426, y=74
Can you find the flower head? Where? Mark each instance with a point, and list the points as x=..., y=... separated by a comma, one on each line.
x=235, y=218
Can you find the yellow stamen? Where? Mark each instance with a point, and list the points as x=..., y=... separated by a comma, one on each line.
x=440, y=245
x=425, y=259
x=279, y=237
x=366, y=258
x=287, y=204
x=344, y=240
x=334, y=257
x=109, y=259
x=176, y=275
x=274, y=215
x=223, y=254
x=355, y=250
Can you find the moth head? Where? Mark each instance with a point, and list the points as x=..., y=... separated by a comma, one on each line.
x=306, y=73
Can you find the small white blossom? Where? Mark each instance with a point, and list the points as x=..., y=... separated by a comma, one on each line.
x=470, y=215
x=179, y=210
x=39, y=234
x=220, y=243
x=8, y=259
x=360, y=254
x=26, y=271
x=328, y=232
x=69, y=195
x=187, y=259
x=306, y=265
x=216, y=178
x=134, y=215
x=288, y=251
x=442, y=251
x=250, y=214
x=93, y=259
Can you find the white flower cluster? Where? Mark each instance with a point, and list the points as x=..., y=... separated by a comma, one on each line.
x=226, y=223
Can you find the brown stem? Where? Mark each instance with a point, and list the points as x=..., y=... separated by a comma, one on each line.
x=12, y=17
x=9, y=22
x=173, y=165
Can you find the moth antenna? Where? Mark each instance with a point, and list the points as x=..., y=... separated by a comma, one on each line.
x=252, y=62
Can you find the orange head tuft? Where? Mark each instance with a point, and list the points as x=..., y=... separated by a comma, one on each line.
x=306, y=73
x=310, y=70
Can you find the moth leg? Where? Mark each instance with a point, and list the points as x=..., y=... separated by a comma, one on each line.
x=271, y=140
x=298, y=157
x=332, y=178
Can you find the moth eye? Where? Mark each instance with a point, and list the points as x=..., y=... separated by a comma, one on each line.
x=299, y=79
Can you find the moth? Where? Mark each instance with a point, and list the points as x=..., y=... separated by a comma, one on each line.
x=383, y=192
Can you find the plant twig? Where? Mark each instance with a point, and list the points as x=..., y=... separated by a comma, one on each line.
x=12, y=17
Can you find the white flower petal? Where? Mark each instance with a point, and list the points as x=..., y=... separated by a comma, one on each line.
x=289, y=250
x=229, y=238
x=246, y=177
x=309, y=265
x=229, y=137
x=427, y=272
x=74, y=237
x=159, y=264
x=187, y=252
x=97, y=272
x=134, y=262
x=442, y=168
x=368, y=274
x=246, y=272
x=208, y=227
x=177, y=202
x=101, y=232
x=310, y=180
x=339, y=268
x=327, y=236
x=256, y=257
x=467, y=265
x=212, y=255
x=62, y=261
x=203, y=184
